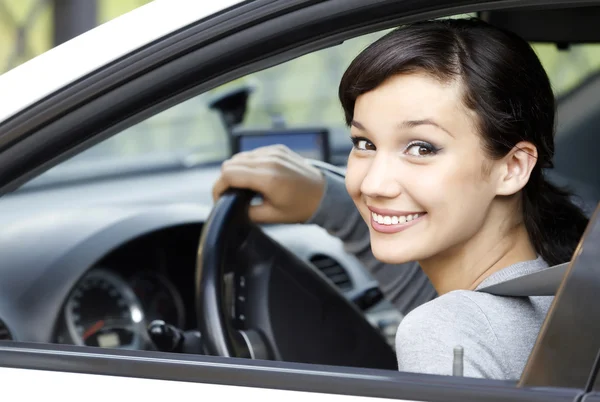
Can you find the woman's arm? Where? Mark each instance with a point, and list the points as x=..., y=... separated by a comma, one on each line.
x=405, y=285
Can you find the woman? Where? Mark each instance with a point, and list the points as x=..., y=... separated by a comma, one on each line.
x=452, y=122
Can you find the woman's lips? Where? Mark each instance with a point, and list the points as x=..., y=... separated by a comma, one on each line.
x=395, y=227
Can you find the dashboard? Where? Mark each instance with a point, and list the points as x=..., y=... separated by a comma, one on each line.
x=146, y=279
x=94, y=263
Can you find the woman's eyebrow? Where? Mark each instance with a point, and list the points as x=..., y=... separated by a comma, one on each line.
x=357, y=125
x=408, y=124
x=415, y=123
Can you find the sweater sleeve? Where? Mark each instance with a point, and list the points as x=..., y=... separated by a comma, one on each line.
x=405, y=285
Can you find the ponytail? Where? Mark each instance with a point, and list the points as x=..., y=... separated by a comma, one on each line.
x=554, y=223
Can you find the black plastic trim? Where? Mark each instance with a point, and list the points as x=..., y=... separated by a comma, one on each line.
x=269, y=374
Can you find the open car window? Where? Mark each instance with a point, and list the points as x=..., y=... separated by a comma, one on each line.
x=300, y=93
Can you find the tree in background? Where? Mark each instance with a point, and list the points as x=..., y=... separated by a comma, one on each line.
x=30, y=27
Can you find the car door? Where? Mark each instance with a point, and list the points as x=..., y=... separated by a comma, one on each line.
x=215, y=50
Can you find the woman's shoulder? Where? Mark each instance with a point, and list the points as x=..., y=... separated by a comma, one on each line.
x=450, y=310
x=460, y=311
x=427, y=336
x=482, y=324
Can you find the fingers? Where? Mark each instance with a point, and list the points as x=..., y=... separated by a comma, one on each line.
x=259, y=170
x=278, y=158
x=237, y=175
x=264, y=213
x=271, y=150
x=219, y=188
x=291, y=187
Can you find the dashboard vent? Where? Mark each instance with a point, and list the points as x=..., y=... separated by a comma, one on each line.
x=4, y=332
x=333, y=270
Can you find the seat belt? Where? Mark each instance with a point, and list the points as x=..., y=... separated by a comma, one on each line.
x=540, y=283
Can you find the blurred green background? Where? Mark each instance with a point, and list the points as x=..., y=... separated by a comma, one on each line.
x=27, y=26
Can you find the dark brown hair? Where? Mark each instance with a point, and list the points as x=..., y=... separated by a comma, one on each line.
x=506, y=85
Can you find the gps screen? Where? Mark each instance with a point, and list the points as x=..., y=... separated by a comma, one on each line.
x=309, y=144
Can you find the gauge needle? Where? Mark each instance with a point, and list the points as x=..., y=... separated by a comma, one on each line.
x=93, y=329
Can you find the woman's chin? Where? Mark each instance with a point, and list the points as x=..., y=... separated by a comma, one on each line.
x=392, y=255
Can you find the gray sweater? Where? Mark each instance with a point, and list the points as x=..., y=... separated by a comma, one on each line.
x=497, y=333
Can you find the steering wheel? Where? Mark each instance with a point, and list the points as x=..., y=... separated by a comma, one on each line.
x=255, y=298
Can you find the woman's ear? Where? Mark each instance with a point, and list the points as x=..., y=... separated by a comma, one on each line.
x=516, y=168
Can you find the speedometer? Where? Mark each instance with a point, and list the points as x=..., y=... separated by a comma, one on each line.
x=159, y=298
x=103, y=311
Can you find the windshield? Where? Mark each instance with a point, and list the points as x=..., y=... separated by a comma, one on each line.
x=299, y=93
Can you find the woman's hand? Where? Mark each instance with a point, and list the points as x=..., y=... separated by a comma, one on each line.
x=290, y=186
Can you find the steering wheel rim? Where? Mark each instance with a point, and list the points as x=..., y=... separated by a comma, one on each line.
x=219, y=336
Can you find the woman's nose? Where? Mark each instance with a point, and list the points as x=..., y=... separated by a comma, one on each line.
x=381, y=179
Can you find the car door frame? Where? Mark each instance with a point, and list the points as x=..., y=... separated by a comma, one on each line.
x=200, y=57
x=276, y=375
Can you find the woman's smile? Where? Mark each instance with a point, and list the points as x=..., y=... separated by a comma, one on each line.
x=391, y=221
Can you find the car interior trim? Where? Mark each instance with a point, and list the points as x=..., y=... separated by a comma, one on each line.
x=272, y=374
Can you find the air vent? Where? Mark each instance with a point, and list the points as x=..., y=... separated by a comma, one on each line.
x=332, y=270
x=4, y=332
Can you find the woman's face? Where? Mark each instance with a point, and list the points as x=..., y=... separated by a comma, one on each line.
x=418, y=173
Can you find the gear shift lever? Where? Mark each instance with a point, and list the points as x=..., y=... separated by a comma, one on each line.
x=168, y=338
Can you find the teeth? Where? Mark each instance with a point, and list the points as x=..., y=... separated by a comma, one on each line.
x=393, y=220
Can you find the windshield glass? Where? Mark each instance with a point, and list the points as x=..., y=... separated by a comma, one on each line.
x=299, y=93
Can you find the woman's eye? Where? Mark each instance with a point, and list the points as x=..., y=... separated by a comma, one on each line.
x=420, y=149
x=363, y=144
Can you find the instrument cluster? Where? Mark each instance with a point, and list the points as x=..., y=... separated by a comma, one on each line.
x=105, y=309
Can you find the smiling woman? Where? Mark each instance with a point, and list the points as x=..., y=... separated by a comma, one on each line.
x=452, y=122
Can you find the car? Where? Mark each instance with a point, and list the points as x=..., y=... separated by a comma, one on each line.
x=119, y=270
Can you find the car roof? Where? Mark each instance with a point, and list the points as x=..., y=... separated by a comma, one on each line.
x=74, y=59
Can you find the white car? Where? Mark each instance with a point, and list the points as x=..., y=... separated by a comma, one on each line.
x=119, y=278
